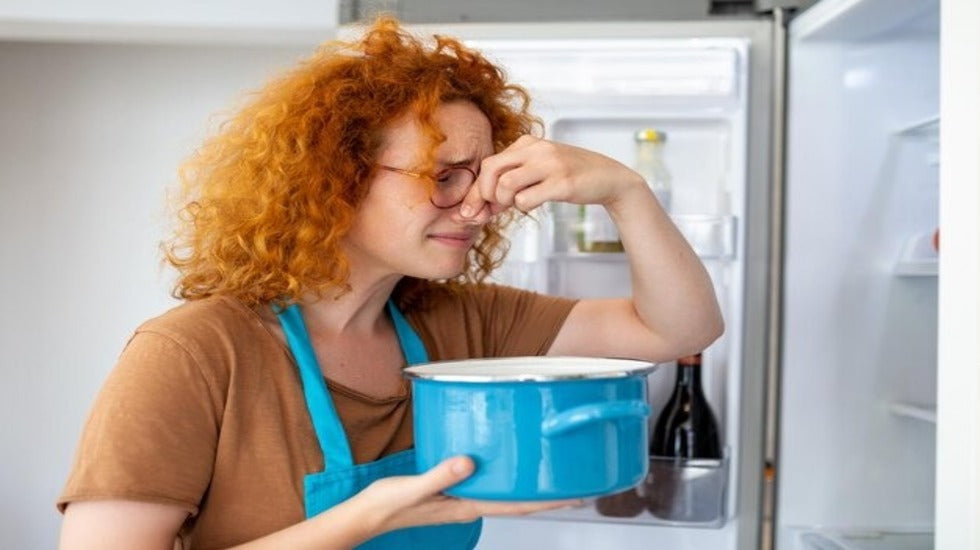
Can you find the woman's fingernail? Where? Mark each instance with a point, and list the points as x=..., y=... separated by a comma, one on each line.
x=466, y=210
x=461, y=466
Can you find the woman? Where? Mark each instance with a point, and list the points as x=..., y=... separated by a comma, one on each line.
x=338, y=229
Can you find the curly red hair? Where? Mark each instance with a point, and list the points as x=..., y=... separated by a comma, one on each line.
x=274, y=192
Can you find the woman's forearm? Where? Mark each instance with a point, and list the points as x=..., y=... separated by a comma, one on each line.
x=672, y=292
x=344, y=526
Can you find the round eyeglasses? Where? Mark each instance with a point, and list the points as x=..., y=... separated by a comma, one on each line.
x=450, y=184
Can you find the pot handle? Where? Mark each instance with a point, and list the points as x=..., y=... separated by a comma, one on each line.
x=580, y=416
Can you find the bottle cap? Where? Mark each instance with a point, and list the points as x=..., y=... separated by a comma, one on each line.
x=694, y=360
x=650, y=134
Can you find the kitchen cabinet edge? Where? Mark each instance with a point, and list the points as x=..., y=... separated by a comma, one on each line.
x=23, y=30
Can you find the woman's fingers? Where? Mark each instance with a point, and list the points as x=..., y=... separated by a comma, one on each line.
x=502, y=508
x=504, y=179
x=512, y=187
x=444, y=475
x=405, y=501
x=533, y=171
x=492, y=169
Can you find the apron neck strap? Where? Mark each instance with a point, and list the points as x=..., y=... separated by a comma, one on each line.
x=326, y=423
x=412, y=347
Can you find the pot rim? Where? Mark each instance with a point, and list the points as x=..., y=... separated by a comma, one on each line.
x=515, y=369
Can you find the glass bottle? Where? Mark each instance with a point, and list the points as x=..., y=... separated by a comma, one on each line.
x=650, y=164
x=686, y=429
x=598, y=233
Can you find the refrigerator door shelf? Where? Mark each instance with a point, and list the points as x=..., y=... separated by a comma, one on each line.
x=606, y=274
x=686, y=494
x=711, y=237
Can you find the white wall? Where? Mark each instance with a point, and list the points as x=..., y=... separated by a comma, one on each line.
x=90, y=137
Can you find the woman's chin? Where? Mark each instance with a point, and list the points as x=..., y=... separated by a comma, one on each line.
x=437, y=266
x=436, y=272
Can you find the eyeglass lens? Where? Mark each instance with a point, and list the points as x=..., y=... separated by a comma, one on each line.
x=452, y=184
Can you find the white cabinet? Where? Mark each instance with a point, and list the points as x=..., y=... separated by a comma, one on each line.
x=207, y=21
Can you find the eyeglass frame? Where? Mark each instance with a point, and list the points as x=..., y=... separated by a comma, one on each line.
x=435, y=179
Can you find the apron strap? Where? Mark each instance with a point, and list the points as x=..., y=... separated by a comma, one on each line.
x=329, y=431
x=412, y=347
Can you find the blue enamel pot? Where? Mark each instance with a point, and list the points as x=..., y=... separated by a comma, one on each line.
x=538, y=428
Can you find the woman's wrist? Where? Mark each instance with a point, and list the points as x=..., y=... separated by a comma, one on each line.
x=634, y=195
x=359, y=521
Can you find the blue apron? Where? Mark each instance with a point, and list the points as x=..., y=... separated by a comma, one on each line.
x=341, y=478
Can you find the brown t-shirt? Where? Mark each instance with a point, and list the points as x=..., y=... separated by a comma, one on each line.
x=205, y=409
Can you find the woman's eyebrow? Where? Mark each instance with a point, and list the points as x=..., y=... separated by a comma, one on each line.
x=457, y=161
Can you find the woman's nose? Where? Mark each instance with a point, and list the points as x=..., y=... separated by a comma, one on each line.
x=467, y=213
x=474, y=209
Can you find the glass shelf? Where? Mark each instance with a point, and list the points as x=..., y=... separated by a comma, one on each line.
x=614, y=257
x=925, y=413
x=711, y=237
x=919, y=258
x=604, y=274
x=927, y=128
x=917, y=268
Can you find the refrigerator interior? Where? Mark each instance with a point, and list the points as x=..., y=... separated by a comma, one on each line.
x=856, y=462
x=596, y=94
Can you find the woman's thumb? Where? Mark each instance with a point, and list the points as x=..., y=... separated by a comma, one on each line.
x=447, y=473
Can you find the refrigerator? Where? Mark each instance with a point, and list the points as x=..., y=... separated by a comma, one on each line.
x=803, y=149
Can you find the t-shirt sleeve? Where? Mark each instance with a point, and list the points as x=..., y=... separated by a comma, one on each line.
x=152, y=432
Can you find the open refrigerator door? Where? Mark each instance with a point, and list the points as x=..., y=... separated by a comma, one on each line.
x=857, y=418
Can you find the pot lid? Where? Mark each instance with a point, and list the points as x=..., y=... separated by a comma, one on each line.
x=538, y=369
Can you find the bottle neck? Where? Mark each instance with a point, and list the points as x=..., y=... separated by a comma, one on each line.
x=689, y=375
x=689, y=371
x=650, y=151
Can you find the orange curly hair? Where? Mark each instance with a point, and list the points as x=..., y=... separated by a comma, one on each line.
x=271, y=196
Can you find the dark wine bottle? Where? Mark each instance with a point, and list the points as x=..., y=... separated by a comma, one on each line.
x=686, y=428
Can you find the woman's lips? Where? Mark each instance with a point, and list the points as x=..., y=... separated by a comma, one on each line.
x=459, y=240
